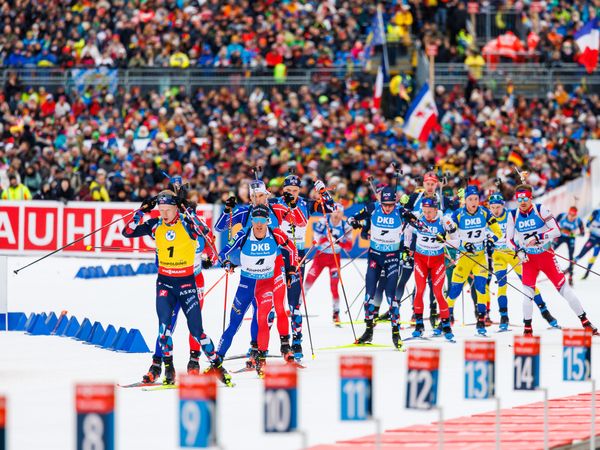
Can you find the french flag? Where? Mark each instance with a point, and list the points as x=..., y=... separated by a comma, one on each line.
x=588, y=41
x=378, y=89
x=422, y=115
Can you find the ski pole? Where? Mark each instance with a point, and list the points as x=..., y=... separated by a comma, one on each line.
x=119, y=249
x=356, y=298
x=576, y=264
x=357, y=256
x=353, y=263
x=300, y=275
x=486, y=269
x=73, y=242
x=508, y=273
x=337, y=264
x=225, y=298
x=214, y=284
x=312, y=350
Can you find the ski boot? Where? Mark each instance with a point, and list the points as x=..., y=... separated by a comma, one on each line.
x=396, y=339
x=433, y=317
x=216, y=368
x=252, y=351
x=261, y=361
x=549, y=318
x=169, y=370
x=503, y=321
x=587, y=324
x=447, y=330
x=488, y=320
x=527, y=328
x=419, y=327
x=193, y=367
x=297, y=348
x=412, y=320
x=586, y=274
x=480, y=326
x=286, y=350
x=367, y=336
x=154, y=371
x=383, y=317
x=571, y=279
x=336, y=318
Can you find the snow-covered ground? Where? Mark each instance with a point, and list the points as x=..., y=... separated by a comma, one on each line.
x=38, y=374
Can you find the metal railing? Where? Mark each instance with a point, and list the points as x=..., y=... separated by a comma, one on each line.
x=528, y=79
x=491, y=24
x=164, y=78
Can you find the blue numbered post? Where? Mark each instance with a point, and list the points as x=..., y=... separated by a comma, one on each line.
x=527, y=363
x=480, y=357
x=95, y=407
x=197, y=411
x=422, y=379
x=281, y=398
x=577, y=355
x=356, y=387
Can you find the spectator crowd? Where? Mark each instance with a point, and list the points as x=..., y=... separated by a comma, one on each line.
x=265, y=33
x=122, y=146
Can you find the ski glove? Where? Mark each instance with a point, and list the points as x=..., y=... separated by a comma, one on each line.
x=354, y=223
x=289, y=200
x=148, y=205
x=230, y=204
x=470, y=247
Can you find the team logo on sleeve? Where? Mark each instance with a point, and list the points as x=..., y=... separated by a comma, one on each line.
x=170, y=235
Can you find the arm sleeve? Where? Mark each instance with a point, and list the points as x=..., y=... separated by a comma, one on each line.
x=408, y=237
x=238, y=216
x=510, y=230
x=288, y=245
x=135, y=229
x=493, y=226
x=231, y=247
x=553, y=230
x=365, y=213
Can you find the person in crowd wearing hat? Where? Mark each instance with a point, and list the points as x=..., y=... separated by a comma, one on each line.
x=530, y=230
x=328, y=257
x=98, y=189
x=259, y=247
x=176, y=233
x=385, y=221
x=593, y=224
x=15, y=190
x=427, y=240
x=504, y=260
x=472, y=223
x=294, y=221
x=569, y=224
x=234, y=216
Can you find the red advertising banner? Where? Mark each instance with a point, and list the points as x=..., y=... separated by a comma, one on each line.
x=42, y=226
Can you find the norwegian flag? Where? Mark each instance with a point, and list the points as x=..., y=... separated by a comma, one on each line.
x=422, y=115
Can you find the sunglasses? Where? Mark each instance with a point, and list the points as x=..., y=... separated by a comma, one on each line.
x=523, y=199
x=260, y=220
